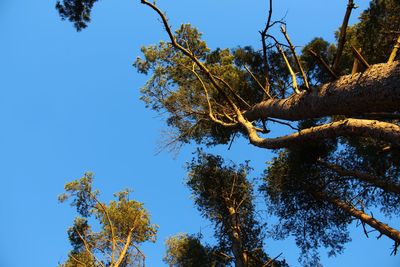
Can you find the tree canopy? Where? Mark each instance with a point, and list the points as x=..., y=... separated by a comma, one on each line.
x=123, y=224
x=331, y=168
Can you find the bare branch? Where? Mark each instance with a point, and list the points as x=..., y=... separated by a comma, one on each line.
x=294, y=78
x=283, y=123
x=394, y=51
x=358, y=55
x=258, y=82
x=292, y=48
x=365, y=218
x=342, y=35
x=356, y=63
x=271, y=261
x=323, y=63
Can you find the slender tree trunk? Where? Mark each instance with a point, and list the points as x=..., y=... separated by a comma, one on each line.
x=382, y=228
x=237, y=244
x=375, y=90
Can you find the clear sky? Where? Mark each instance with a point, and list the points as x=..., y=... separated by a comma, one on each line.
x=69, y=103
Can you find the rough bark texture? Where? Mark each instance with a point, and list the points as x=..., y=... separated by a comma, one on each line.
x=365, y=218
x=375, y=90
x=350, y=127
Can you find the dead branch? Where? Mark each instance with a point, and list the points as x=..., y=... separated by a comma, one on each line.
x=258, y=82
x=294, y=78
x=394, y=51
x=292, y=48
x=342, y=36
x=264, y=46
x=268, y=263
x=323, y=63
x=358, y=55
x=283, y=123
x=356, y=64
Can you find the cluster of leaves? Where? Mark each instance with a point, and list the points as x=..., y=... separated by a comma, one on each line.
x=187, y=250
x=123, y=223
x=296, y=174
x=176, y=87
x=76, y=11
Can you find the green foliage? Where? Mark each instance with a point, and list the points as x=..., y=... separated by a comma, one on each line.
x=378, y=29
x=216, y=188
x=289, y=187
x=123, y=222
x=224, y=196
x=185, y=250
x=76, y=11
x=173, y=89
x=315, y=74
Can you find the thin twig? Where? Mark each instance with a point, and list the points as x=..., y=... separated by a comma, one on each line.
x=272, y=260
x=88, y=248
x=258, y=82
x=264, y=45
x=284, y=123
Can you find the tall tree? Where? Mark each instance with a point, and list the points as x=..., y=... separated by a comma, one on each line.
x=123, y=225
x=345, y=100
x=223, y=194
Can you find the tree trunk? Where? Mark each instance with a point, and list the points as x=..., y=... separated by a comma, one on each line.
x=375, y=90
x=237, y=244
x=382, y=228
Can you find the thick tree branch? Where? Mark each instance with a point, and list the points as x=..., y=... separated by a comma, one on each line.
x=387, y=186
x=375, y=90
x=363, y=217
x=350, y=127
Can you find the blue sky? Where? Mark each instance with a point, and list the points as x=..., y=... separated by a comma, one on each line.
x=69, y=103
